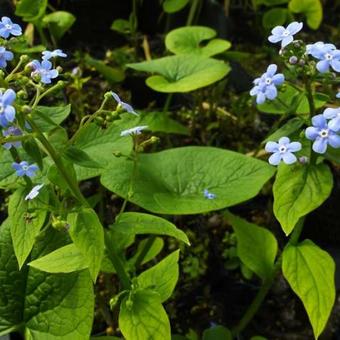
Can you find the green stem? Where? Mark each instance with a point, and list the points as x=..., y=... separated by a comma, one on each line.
x=117, y=264
x=192, y=12
x=167, y=102
x=263, y=291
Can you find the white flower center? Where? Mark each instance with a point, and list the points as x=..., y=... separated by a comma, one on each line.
x=25, y=167
x=268, y=81
x=285, y=33
x=8, y=26
x=282, y=149
x=328, y=56
x=323, y=133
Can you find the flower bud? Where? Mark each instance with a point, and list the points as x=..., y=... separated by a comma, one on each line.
x=303, y=160
x=293, y=60
x=22, y=94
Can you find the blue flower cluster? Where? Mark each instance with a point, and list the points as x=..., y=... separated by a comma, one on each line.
x=265, y=86
x=327, y=54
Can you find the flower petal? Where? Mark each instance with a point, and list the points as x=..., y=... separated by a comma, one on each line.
x=334, y=124
x=320, y=145
x=294, y=146
x=278, y=79
x=319, y=121
x=330, y=113
x=271, y=92
x=289, y=158
x=323, y=66
x=8, y=97
x=275, y=158
x=284, y=141
x=294, y=27
x=334, y=140
x=312, y=132
x=271, y=70
x=271, y=147
x=335, y=65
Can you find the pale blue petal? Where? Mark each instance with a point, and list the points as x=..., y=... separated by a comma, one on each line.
x=319, y=121
x=260, y=98
x=271, y=70
x=271, y=147
x=8, y=97
x=271, y=92
x=284, y=140
x=323, y=66
x=289, y=158
x=335, y=65
x=274, y=38
x=334, y=140
x=294, y=27
x=278, y=79
x=275, y=158
x=334, y=124
x=320, y=145
x=278, y=30
x=312, y=132
x=294, y=146
x=286, y=41
x=330, y=113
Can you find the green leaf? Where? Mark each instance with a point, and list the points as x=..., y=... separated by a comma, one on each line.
x=155, y=121
x=182, y=73
x=287, y=129
x=292, y=97
x=87, y=234
x=217, y=333
x=333, y=155
x=256, y=246
x=31, y=10
x=162, y=277
x=66, y=259
x=298, y=190
x=312, y=9
x=143, y=317
x=101, y=144
x=309, y=271
x=121, y=26
x=46, y=306
x=80, y=157
x=274, y=17
x=153, y=251
x=111, y=74
x=173, y=6
x=173, y=181
x=187, y=40
x=27, y=218
x=49, y=117
x=138, y=223
x=58, y=23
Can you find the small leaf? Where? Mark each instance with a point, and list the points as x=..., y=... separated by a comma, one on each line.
x=49, y=117
x=143, y=317
x=287, y=129
x=31, y=10
x=26, y=220
x=121, y=26
x=217, y=333
x=66, y=259
x=80, y=157
x=139, y=223
x=58, y=23
x=310, y=270
x=153, y=251
x=182, y=73
x=111, y=74
x=312, y=9
x=298, y=190
x=162, y=277
x=173, y=6
x=187, y=40
x=256, y=246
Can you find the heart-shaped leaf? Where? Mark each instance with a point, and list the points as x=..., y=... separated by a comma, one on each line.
x=182, y=73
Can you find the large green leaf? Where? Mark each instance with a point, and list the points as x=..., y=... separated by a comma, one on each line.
x=182, y=73
x=274, y=17
x=256, y=246
x=87, y=234
x=310, y=272
x=312, y=9
x=162, y=277
x=173, y=181
x=186, y=40
x=298, y=190
x=173, y=6
x=138, y=223
x=100, y=145
x=143, y=317
x=66, y=259
x=47, y=306
x=59, y=23
x=27, y=218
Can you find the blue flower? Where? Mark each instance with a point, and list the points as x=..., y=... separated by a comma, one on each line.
x=265, y=86
x=134, y=131
x=34, y=192
x=328, y=55
x=283, y=150
x=322, y=135
x=125, y=106
x=334, y=116
x=53, y=54
x=25, y=169
x=4, y=57
x=44, y=70
x=337, y=95
x=7, y=111
x=285, y=35
x=208, y=195
x=12, y=131
x=7, y=27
